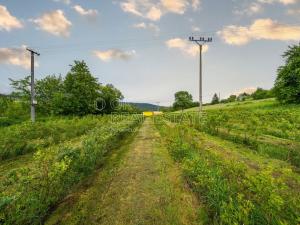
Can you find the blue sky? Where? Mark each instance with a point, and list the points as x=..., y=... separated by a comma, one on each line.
x=141, y=46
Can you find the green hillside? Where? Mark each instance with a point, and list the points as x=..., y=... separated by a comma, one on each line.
x=244, y=104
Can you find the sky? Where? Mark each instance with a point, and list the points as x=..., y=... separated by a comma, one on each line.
x=142, y=47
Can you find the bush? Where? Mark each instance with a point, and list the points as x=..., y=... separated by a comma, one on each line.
x=287, y=85
x=55, y=171
x=234, y=192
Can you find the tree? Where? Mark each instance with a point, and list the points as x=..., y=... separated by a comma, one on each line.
x=232, y=98
x=21, y=88
x=215, y=99
x=81, y=90
x=261, y=94
x=287, y=84
x=243, y=96
x=49, y=92
x=109, y=99
x=183, y=100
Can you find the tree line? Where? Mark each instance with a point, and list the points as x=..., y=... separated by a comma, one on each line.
x=78, y=93
x=286, y=88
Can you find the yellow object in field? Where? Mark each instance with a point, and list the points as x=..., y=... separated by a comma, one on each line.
x=155, y=113
x=148, y=113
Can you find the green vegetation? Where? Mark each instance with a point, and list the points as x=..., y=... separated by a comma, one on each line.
x=79, y=93
x=183, y=100
x=138, y=184
x=215, y=99
x=240, y=157
x=27, y=193
x=260, y=93
x=266, y=127
x=236, y=185
x=27, y=137
x=287, y=85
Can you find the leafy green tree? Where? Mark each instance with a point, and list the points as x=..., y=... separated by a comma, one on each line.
x=287, y=84
x=215, y=99
x=243, y=96
x=21, y=88
x=127, y=108
x=49, y=92
x=4, y=103
x=183, y=100
x=109, y=99
x=81, y=90
x=232, y=98
x=261, y=94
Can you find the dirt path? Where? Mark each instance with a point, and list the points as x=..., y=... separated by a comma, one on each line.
x=138, y=185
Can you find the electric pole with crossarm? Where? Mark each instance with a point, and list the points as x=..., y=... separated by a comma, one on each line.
x=200, y=42
x=33, y=101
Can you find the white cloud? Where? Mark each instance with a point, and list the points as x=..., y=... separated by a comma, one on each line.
x=130, y=7
x=175, y=6
x=294, y=12
x=54, y=23
x=112, y=54
x=140, y=25
x=247, y=90
x=266, y=29
x=85, y=12
x=67, y=2
x=195, y=4
x=154, y=13
x=15, y=56
x=285, y=2
x=257, y=6
x=149, y=26
x=155, y=9
x=195, y=29
x=7, y=21
x=185, y=46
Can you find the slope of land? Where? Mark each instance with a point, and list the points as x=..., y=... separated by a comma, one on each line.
x=139, y=184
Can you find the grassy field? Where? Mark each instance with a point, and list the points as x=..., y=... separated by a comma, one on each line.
x=268, y=128
x=237, y=163
x=242, y=159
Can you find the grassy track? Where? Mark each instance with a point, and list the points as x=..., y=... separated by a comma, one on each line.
x=139, y=184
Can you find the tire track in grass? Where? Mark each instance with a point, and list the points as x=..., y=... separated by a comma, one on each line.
x=139, y=184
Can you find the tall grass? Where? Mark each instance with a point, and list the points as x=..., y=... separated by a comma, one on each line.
x=234, y=192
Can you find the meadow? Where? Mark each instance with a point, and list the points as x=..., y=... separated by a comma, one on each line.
x=235, y=163
x=65, y=151
x=242, y=160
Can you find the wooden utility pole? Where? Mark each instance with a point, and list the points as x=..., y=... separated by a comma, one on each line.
x=33, y=101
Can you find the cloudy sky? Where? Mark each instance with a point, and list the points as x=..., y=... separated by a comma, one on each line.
x=142, y=47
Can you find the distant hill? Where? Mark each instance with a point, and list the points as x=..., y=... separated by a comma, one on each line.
x=144, y=106
x=5, y=95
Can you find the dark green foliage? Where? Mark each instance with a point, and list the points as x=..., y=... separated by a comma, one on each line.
x=262, y=94
x=287, y=85
x=124, y=108
x=109, y=98
x=242, y=97
x=81, y=90
x=48, y=93
x=142, y=107
x=78, y=94
x=21, y=88
x=215, y=99
x=183, y=100
x=232, y=98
